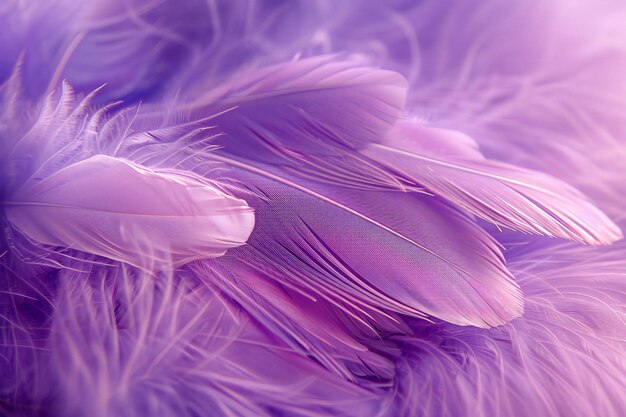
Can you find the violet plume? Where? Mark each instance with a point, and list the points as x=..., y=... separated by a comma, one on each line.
x=312, y=208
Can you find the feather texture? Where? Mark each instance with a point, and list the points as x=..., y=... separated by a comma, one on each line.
x=288, y=166
x=506, y=195
x=116, y=209
x=371, y=282
x=346, y=344
x=391, y=258
x=572, y=332
x=305, y=116
x=129, y=343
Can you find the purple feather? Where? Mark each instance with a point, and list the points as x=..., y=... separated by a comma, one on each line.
x=505, y=195
x=310, y=208
x=82, y=207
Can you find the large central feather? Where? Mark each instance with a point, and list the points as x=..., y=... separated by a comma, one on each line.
x=291, y=135
x=402, y=252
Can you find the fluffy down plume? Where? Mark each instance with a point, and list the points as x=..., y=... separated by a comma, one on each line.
x=310, y=208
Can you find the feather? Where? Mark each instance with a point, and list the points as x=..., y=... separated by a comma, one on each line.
x=127, y=343
x=392, y=258
x=114, y=208
x=330, y=110
x=506, y=195
x=349, y=347
x=572, y=332
x=305, y=116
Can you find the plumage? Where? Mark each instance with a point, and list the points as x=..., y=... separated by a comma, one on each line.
x=116, y=209
x=506, y=195
x=310, y=208
x=287, y=170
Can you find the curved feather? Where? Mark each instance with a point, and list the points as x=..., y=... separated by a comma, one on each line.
x=385, y=249
x=292, y=138
x=351, y=348
x=114, y=208
x=307, y=116
x=506, y=195
x=572, y=332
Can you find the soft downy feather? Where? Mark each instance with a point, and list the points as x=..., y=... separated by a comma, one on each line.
x=564, y=357
x=550, y=100
x=126, y=342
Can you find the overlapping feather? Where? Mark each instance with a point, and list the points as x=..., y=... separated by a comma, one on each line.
x=293, y=207
x=564, y=357
x=307, y=145
x=506, y=195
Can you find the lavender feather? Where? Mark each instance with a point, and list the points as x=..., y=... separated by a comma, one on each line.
x=485, y=294
x=228, y=208
x=82, y=207
x=506, y=195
